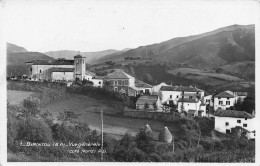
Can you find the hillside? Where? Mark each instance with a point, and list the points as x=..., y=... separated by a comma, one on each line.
x=69, y=54
x=234, y=43
x=12, y=48
x=244, y=69
x=16, y=62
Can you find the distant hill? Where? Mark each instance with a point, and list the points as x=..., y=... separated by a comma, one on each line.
x=225, y=45
x=16, y=60
x=12, y=48
x=69, y=54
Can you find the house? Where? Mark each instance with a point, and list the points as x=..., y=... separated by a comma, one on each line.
x=127, y=84
x=224, y=100
x=152, y=102
x=193, y=107
x=208, y=100
x=156, y=88
x=97, y=81
x=225, y=120
x=171, y=94
x=240, y=96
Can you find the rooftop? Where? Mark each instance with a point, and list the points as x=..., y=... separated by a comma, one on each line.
x=181, y=88
x=224, y=95
x=187, y=100
x=142, y=84
x=232, y=114
x=241, y=93
x=59, y=69
x=79, y=56
x=89, y=73
x=150, y=99
x=118, y=75
x=52, y=62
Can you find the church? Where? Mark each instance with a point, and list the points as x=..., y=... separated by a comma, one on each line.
x=62, y=70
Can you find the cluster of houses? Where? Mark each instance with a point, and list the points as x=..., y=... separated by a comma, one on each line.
x=191, y=100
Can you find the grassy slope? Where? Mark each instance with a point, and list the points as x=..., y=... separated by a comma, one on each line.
x=17, y=97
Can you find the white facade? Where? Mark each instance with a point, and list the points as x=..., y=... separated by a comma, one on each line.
x=223, y=103
x=131, y=82
x=193, y=106
x=88, y=77
x=224, y=124
x=170, y=95
x=67, y=76
x=97, y=82
x=208, y=100
x=156, y=88
x=36, y=69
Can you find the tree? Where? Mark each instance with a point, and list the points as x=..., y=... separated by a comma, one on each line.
x=238, y=104
x=155, y=106
x=248, y=105
x=31, y=105
x=87, y=82
x=144, y=141
x=146, y=105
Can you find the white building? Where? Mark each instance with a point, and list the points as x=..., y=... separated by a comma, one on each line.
x=97, y=81
x=193, y=107
x=156, y=88
x=224, y=100
x=171, y=94
x=150, y=100
x=225, y=120
x=208, y=100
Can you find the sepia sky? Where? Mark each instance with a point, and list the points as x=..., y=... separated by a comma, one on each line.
x=96, y=25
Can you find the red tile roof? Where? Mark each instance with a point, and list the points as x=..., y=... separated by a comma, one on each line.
x=118, y=75
x=224, y=95
x=52, y=62
x=141, y=84
x=181, y=88
x=59, y=69
x=150, y=99
x=233, y=114
x=187, y=100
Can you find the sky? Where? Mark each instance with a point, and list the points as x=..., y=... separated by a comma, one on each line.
x=96, y=25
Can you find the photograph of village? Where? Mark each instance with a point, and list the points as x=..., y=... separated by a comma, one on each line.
x=129, y=81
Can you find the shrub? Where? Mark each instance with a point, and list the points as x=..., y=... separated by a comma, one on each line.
x=31, y=105
x=33, y=130
x=144, y=141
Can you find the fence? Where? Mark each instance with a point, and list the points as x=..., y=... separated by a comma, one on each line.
x=151, y=114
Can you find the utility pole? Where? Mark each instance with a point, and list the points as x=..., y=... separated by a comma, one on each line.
x=101, y=135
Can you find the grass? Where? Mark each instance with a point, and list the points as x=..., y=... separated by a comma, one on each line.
x=17, y=97
x=114, y=122
x=197, y=72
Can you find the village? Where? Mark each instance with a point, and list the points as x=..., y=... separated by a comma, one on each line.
x=186, y=100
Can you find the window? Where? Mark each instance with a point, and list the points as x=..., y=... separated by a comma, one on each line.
x=116, y=89
x=228, y=103
x=245, y=118
x=40, y=71
x=227, y=124
x=190, y=97
x=219, y=97
x=146, y=91
x=220, y=102
x=177, y=96
x=99, y=82
x=199, y=113
x=126, y=82
x=244, y=125
x=115, y=82
x=123, y=82
x=227, y=131
x=197, y=93
x=238, y=121
x=170, y=96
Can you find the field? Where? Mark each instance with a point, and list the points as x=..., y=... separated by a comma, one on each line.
x=114, y=122
x=17, y=97
x=210, y=78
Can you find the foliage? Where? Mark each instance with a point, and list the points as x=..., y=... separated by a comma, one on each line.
x=155, y=106
x=144, y=141
x=146, y=105
x=31, y=105
x=87, y=82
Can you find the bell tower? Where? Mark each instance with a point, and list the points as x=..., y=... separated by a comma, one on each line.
x=80, y=67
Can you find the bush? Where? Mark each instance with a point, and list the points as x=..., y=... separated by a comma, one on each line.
x=31, y=105
x=33, y=130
